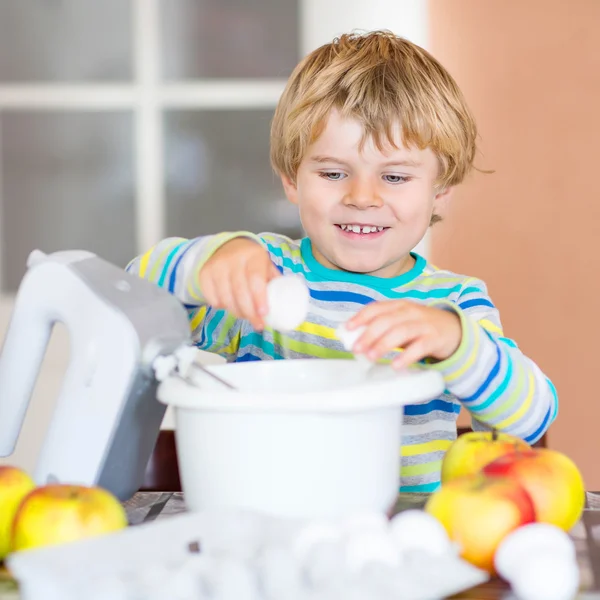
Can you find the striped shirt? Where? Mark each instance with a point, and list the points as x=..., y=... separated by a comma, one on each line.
x=488, y=374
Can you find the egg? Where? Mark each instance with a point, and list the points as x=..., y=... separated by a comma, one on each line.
x=528, y=540
x=288, y=301
x=348, y=337
x=545, y=575
x=311, y=536
x=369, y=547
x=324, y=564
x=277, y=571
x=416, y=530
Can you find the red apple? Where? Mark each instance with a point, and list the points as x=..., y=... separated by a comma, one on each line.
x=552, y=480
x=471, y=451
x=15, y=484
x=59, y=513
x=478, y=512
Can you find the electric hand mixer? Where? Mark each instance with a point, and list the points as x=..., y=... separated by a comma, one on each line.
x=107, y=418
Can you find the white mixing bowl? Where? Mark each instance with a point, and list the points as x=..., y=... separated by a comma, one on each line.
x=303, y=438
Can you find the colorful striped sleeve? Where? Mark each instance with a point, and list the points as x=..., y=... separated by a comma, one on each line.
x=500, y=386
x=174, y=264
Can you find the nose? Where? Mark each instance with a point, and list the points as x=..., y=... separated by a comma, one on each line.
x=363, y=194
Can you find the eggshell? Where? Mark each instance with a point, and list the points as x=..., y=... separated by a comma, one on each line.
x=348, y=337
x=371, y=547
x=528, y=540
x=415, y=529
x=310, y=536
x=545, y=575
x=288, y=300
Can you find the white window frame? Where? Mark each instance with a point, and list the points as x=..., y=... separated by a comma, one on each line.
x=147, y=96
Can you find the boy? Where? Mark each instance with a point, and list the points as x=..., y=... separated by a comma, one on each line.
x=370, y=137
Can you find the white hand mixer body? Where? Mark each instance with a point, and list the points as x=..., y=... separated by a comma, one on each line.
x=107, y=418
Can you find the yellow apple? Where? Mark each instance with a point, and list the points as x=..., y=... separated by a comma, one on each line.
x=60, y=513
x=471, y=451
x=478, y=512
x=552, y=480
x=15, y=484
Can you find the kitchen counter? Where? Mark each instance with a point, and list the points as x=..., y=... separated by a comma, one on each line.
x=148, y=506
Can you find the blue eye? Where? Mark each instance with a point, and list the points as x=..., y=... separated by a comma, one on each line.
x=332, y=175
x=396, y=178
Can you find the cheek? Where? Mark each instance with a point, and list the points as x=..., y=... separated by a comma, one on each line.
x=414, y=205
x=315, y=198
x=315, y=187
x=310, y=208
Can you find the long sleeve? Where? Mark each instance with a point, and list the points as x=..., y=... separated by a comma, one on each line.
x=500, y=386
x=174, y=264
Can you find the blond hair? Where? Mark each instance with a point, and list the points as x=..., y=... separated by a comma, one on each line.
x=379, y=79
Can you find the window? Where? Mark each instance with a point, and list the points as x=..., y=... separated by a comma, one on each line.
x=123, y=122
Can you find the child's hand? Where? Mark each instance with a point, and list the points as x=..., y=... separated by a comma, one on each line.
x=422, y=331
x=235, y=278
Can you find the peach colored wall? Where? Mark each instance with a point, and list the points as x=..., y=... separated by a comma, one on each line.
x=531, y=72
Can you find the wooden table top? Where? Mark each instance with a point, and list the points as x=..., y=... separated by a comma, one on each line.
x=149, y=506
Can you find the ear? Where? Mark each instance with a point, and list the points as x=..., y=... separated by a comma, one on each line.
x=290, y=188
x=442, y=197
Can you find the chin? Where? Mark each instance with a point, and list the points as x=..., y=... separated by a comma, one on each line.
x=359, y=267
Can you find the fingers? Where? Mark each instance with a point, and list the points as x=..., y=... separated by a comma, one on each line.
x=378, y=319
x=247, y=288
x=258, y=279
x=394, y=338
x=223, y=296
x=235, y=279
x=395, y=325
x=412, y=354
x=410, y=338
x=377, y=327
x=257, y=287
x=272, y=272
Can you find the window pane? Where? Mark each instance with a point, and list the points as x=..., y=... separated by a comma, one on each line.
x=67, y=183
x=65, y=40
x=219, y=177
x=229, y=38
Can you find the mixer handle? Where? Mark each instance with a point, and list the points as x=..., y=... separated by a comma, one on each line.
x=27, y=337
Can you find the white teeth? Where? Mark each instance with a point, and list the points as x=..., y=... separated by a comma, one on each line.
x=361, y=228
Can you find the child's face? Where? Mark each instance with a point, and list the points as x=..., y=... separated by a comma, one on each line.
x=392, y=192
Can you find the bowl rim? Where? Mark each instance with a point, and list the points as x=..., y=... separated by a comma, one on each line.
x=397, y=389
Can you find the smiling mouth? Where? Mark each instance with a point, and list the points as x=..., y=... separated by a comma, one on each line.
x=362, y=229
